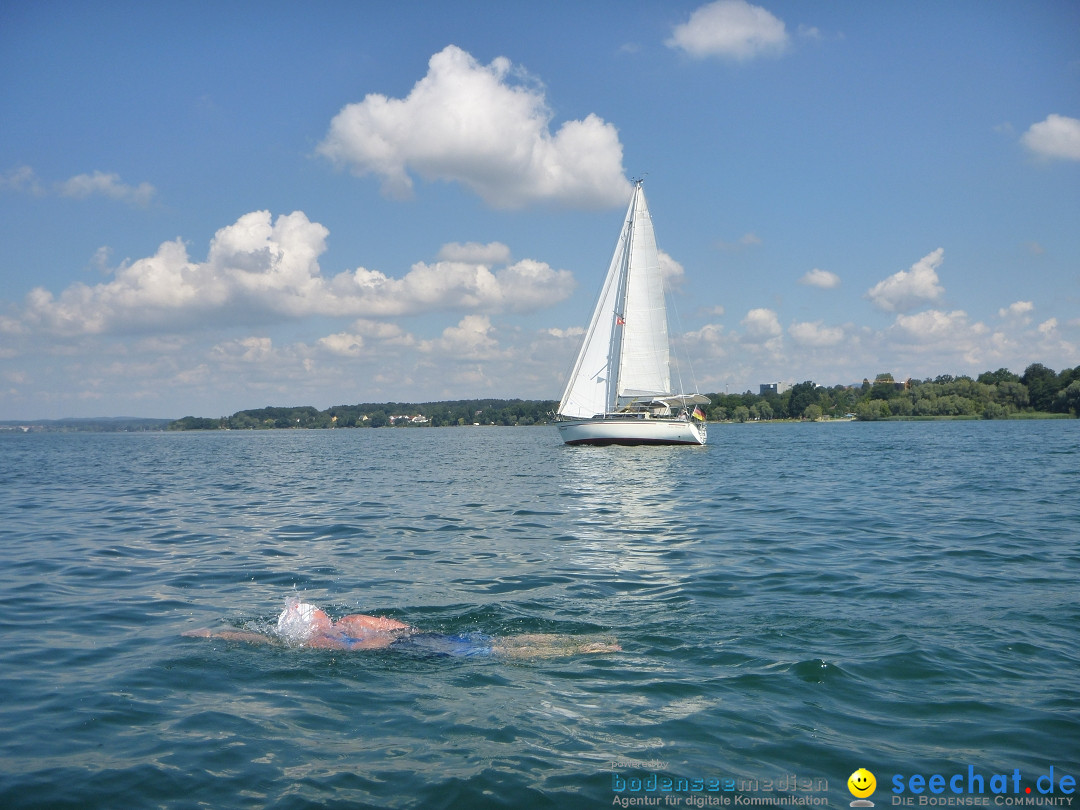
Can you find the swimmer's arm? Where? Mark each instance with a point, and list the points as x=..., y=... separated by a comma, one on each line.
x=230, y=635
x=359, y=621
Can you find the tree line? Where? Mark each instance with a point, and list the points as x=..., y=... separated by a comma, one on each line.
x=997, y=394
x=383, y=414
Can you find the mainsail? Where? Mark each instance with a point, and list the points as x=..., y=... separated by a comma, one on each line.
x=643, y=366
x=625, y=353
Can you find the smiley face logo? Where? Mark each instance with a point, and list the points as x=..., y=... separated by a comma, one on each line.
x=861, y=783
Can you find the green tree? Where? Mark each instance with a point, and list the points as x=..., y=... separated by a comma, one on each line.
x=867, y=410
x=844, y=399
x=884, y=387
x=1012, y=394
x=998, y=377
x=1069, y=399
x=802, y=395
x=901, y=406
x=195, y=423
x=1042, y=386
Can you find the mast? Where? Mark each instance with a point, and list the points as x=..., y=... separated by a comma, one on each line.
x=619, y=315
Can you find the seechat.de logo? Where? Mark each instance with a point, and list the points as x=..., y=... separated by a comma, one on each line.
x=862, y=785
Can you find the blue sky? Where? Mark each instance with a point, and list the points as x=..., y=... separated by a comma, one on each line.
x=209, y=207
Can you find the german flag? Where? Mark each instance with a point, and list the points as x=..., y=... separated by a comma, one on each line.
x=698, y=413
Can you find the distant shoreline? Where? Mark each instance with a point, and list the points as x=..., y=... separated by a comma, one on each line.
x=1040, y=393
x=148, y=425
x=101, y=424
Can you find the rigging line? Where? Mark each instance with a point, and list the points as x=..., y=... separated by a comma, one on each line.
x=689, y=360
x=618, y=335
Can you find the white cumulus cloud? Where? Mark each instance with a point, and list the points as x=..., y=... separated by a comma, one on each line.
x=761, y=325
x=22, y=179
x=524, y=285
x=671, y=271
x=245, y=350
x=816, y=334
x=944, y=336
x=908, y=289
x=710, y=341
x=1018, y=309
x=367, y=338
x=733, y=29
x=81, y=186
x=476, y=125
x=933, y=324
x=471, y=339
x=820, y=278
x=491, y=253
x=263, y=269
x=344, y=344
x=109, y=185
x=1056, y=137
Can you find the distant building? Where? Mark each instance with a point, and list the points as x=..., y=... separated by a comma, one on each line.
x=419, y=419
x=773, y=388
x=899, y=385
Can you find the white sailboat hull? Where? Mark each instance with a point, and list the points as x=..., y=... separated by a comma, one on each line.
x=632, y=431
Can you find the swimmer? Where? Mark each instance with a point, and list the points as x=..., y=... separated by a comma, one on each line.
x=302, y=624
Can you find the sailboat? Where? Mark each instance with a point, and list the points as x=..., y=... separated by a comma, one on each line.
x=620, y=389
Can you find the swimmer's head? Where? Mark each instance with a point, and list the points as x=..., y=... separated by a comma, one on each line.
x=300, y=621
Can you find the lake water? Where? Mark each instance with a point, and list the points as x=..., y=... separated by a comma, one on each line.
x=794, y=602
